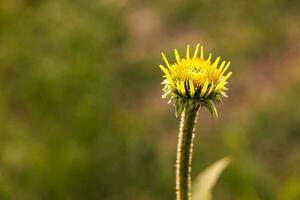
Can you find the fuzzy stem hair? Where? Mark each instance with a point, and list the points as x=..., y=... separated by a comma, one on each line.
x=184, y=152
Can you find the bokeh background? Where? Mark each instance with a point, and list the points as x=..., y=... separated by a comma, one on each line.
x=81, y=114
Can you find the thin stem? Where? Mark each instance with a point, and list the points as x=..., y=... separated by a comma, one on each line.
x=184, y=153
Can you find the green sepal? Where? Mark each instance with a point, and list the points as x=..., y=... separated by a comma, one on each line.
x=210, y=105
x=179, y=106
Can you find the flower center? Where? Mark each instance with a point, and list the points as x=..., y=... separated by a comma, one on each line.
x=195, y=70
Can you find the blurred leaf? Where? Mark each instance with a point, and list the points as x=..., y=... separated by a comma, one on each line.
x=207, y=179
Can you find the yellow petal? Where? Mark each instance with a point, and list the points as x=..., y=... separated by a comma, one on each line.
x=202, y=52
x=216, y=62
x=227, y=76
x=221, y=67
x=204, y=88
x=225, y=68
x=196, y=50
x=220, y=85
x=188, y=52
x=210, y=90
x=182, y=87
x=165, y=59
x=171, y=82
x=164, y=70
x=223, y=82
x=177, y=55
x=209, y=57
x=192, y=88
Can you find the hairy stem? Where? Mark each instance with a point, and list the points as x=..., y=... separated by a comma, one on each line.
x=184, y=153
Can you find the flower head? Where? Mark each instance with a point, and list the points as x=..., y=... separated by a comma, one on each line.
x=195, y=80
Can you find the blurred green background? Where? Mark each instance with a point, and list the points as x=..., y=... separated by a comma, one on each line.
x=81, y=114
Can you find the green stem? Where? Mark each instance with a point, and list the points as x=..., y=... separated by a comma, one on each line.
x=184, y=153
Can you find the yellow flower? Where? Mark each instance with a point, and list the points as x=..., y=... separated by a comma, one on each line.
x=195, y=80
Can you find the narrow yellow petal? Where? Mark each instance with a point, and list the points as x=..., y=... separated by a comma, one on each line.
x=223, y=82
x=177, y=55
x=225, y=68
x=192, y=88
x=165, y=59
x=220, y=85
x=216, y=62
x=202, y=52
x=204, y=88
x=210, y=90
x=209, y=57
x=227, y=76
x=221, y=67
x=164, y=70
x=196, y=50
x=182, y=87
x=188, y=52
x=171, y=82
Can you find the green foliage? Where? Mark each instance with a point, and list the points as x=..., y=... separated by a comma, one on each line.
x=207, y=179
